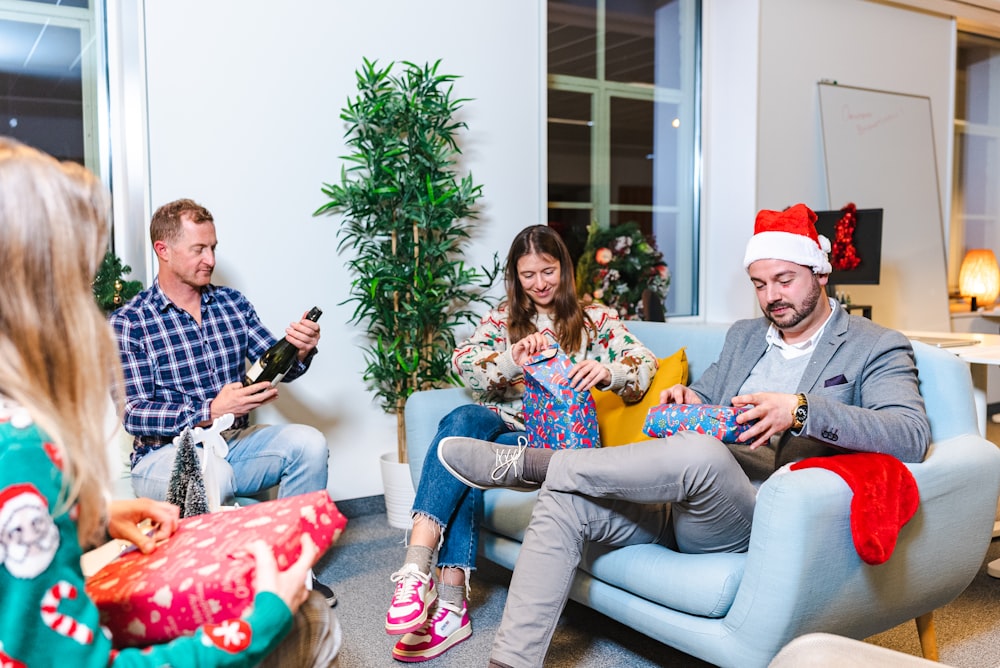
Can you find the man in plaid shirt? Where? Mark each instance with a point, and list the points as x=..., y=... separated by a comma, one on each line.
x=184, y=344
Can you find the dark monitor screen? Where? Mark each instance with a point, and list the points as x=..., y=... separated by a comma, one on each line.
x=867, y=240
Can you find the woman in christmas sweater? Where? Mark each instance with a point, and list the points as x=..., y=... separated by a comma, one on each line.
x=58, y=361
x=541, y=311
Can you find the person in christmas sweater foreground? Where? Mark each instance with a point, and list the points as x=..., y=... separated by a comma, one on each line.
x=57, y=365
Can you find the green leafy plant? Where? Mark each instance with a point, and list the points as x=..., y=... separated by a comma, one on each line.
x=406, y=218
x=111, y=290
x=617, y=266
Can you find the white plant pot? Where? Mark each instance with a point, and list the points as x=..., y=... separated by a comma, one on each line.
x=399, y=492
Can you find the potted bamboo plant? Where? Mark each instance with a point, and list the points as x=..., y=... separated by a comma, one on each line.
x=405, y=218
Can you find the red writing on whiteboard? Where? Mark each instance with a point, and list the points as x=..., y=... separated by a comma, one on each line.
x=866, y=121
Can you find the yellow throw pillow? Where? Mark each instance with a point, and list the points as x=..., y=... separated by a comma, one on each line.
x=621, y=423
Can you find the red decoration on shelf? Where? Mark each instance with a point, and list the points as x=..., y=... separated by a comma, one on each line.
x=844, y=255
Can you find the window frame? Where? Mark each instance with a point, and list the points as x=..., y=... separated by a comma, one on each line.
x=687, y=98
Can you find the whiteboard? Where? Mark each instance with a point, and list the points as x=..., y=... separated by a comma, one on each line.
x=879, y=150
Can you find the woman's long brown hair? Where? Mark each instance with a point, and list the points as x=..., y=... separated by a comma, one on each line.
x=567, y=314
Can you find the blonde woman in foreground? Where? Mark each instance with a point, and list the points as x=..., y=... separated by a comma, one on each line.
x=58, y=361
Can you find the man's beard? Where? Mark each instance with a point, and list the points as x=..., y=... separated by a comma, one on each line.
x=797, y=315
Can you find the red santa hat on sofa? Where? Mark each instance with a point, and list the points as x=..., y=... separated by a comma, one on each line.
x=789, y=235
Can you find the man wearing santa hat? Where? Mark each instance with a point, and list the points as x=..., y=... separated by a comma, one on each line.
x=815, y=380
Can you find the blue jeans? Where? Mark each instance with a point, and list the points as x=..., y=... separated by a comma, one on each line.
x=261, y=456
x=440, y=496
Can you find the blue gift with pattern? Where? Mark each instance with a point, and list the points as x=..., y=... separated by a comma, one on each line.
x=718, y=421
x=555, y=415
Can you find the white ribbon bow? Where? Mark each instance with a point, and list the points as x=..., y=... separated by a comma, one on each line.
x=216, y=450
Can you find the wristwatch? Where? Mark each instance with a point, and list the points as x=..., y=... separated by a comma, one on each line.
x=800, y=413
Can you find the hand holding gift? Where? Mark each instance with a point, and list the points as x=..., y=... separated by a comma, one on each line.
x=211, y=568
x=556, y=415
x=288, y=585
x=128, y=519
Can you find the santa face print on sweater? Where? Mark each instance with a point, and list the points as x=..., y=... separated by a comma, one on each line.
x=29, y=537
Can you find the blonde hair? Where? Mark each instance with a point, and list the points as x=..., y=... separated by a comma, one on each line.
x=58, y=358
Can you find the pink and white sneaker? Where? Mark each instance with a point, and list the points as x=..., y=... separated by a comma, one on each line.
x=449, y=625
x=414, y=595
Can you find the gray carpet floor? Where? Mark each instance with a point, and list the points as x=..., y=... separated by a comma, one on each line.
x=359, y=565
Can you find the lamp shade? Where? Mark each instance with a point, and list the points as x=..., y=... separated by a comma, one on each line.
x=979, y=276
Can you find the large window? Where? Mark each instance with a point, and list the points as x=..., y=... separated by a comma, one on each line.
x=623, y=126
x=975, y=220
x=51, y=68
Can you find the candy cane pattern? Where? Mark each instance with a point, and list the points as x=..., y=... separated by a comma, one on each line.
x=60, y=623
x=7, y=661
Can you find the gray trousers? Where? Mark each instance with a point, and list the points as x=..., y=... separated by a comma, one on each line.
x=686, y=492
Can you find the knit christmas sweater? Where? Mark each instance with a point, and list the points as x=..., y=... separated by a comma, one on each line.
x=486, y=366
x=46, y=617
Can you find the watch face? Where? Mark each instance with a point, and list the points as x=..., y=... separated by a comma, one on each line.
x=801, y=413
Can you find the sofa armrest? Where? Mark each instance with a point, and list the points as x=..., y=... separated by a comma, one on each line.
x=423, y=412
x=803, y=573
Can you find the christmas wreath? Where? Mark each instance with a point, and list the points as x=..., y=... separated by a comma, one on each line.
x=617, y=266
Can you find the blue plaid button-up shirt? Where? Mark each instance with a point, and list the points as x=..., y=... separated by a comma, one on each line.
x=174, y=367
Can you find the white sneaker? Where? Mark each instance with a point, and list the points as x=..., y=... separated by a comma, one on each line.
x=411, y=601
x=449, y=625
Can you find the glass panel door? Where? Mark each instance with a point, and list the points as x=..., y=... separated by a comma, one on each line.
x=47, y=80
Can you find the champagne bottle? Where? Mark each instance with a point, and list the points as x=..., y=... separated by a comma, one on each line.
x=279, y=358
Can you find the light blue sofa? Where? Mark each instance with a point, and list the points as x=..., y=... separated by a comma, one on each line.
x=801, y=573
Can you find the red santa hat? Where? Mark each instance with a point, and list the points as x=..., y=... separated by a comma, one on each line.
x=789, y=235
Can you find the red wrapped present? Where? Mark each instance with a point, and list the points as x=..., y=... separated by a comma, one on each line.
x=203, y=573
x=718, y=421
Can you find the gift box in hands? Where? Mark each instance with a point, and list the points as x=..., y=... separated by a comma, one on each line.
x=718, y=421
x=204, y=573
x=555, y=415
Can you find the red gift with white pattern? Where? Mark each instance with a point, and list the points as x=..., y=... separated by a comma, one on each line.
x=203, y=573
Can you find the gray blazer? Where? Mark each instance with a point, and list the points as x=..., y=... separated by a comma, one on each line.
x=861, y=384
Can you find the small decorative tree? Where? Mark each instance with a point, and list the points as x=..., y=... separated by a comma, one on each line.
x=406, y=217
x=111, y=290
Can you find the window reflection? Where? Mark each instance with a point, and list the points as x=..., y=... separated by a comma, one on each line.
x=622, y=124
x=976, y=201
x=41, y=87
x=85, y=4
x=572, y=38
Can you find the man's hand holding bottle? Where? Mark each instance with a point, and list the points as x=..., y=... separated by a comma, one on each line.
x=240, y=399
x=304, y=335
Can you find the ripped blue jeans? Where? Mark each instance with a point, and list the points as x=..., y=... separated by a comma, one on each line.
x=456, y=508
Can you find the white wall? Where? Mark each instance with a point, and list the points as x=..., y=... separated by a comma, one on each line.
x=762, y=62
x=243, y=116
x=866, y=45
x=729, y=153
x=243, y=103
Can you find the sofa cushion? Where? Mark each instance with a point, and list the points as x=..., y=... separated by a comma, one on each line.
x=698, y=584
x=507, y=512
x=620, y=423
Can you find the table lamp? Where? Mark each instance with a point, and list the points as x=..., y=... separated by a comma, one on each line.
x=979, y=277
